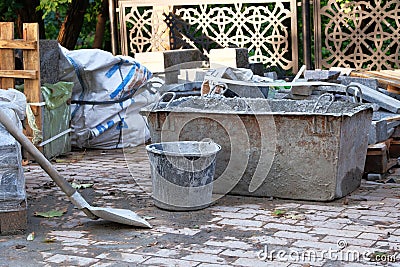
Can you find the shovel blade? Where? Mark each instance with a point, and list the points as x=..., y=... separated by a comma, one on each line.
x=122, y=216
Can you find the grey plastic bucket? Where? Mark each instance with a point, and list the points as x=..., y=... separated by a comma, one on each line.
x=182, y=174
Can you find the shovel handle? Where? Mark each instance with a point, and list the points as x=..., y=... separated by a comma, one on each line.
x=36, y=154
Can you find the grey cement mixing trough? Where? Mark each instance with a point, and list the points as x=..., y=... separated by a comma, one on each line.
x=273, y=148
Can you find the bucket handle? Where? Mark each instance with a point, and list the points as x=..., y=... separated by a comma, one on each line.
x=331, y=99
x=357, y=92
x=157, y=105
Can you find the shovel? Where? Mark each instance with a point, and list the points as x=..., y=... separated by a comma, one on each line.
x=110, y=214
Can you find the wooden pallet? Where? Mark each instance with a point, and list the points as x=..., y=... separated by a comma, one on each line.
x=378, y=159
x=31, y=65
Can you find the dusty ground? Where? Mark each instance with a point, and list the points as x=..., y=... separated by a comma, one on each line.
x=234, y=231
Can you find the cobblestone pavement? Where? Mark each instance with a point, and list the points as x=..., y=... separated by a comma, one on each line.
x=235, y=231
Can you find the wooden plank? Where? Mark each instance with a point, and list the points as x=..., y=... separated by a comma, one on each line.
x=387, y=73
x=7, y=59
x=17, y=44
x=382, y=81
x=24, y=74
x=32, y=62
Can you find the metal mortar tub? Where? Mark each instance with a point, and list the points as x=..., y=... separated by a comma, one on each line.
x=309, y=150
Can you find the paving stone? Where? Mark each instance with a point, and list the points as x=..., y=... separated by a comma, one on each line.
x=254, y=211
x=69, y=260
x=372, y=236
x=154, y=261
x=365, y=228
x=337, y=232
x=321, y=207
x=208, y=250
x=349, y=241
x=287, y=227
x=240, y=253
x=295, y=235
x=125, y=257
x=257, y=263
x=224, y=208
x=317, y=245
x=229, y=244
x=184, y=231
x=270, y=218
x=238, y=222
x=270, y=240
x=234, y=215
x=212, y=265
x=203, y=257
x=246, y=228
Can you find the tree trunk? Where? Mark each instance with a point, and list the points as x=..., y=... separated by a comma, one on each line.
x=72, y=25
x=101, y=25
x=29, y=14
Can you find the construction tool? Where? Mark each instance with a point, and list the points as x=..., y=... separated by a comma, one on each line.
x=122, y=216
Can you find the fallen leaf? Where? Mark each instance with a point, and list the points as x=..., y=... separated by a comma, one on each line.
x=278, y=213
x=49, y=240
x=51, y=213
x=61, y=160
x=31, y=236
x=148, y=217
x=79, y=186
x=152, y=244
x=19, y=246
x=25, y=162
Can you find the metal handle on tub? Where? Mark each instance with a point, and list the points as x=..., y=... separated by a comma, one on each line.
x=157, y=105
x=331, y=99
x=357, y=91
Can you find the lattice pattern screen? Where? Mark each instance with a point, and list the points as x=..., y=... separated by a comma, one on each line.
x=267, y=28
x=359, y=34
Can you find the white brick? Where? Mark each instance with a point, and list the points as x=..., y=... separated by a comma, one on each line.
x=270, y=218
x=183, y=231
x=287, y=227
x=238, y=222
x=66, y=260
x=234, y=215
x=203, y=257
x=294, y=235
x=350, y=241
x=367, y=228
x=371, y=236
x=71, y=234
x=229, y=244
x=322, y=208
x=169, y=262
x=240, y=253
x=256, y=211
x=249, y=206
x=257, y=263
x=269, y=240
x=336, y=232
x=212, y=265
x=320, y=246
x=126, y=257
x=246, y=228
x=161, y=253
x=224, y=208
